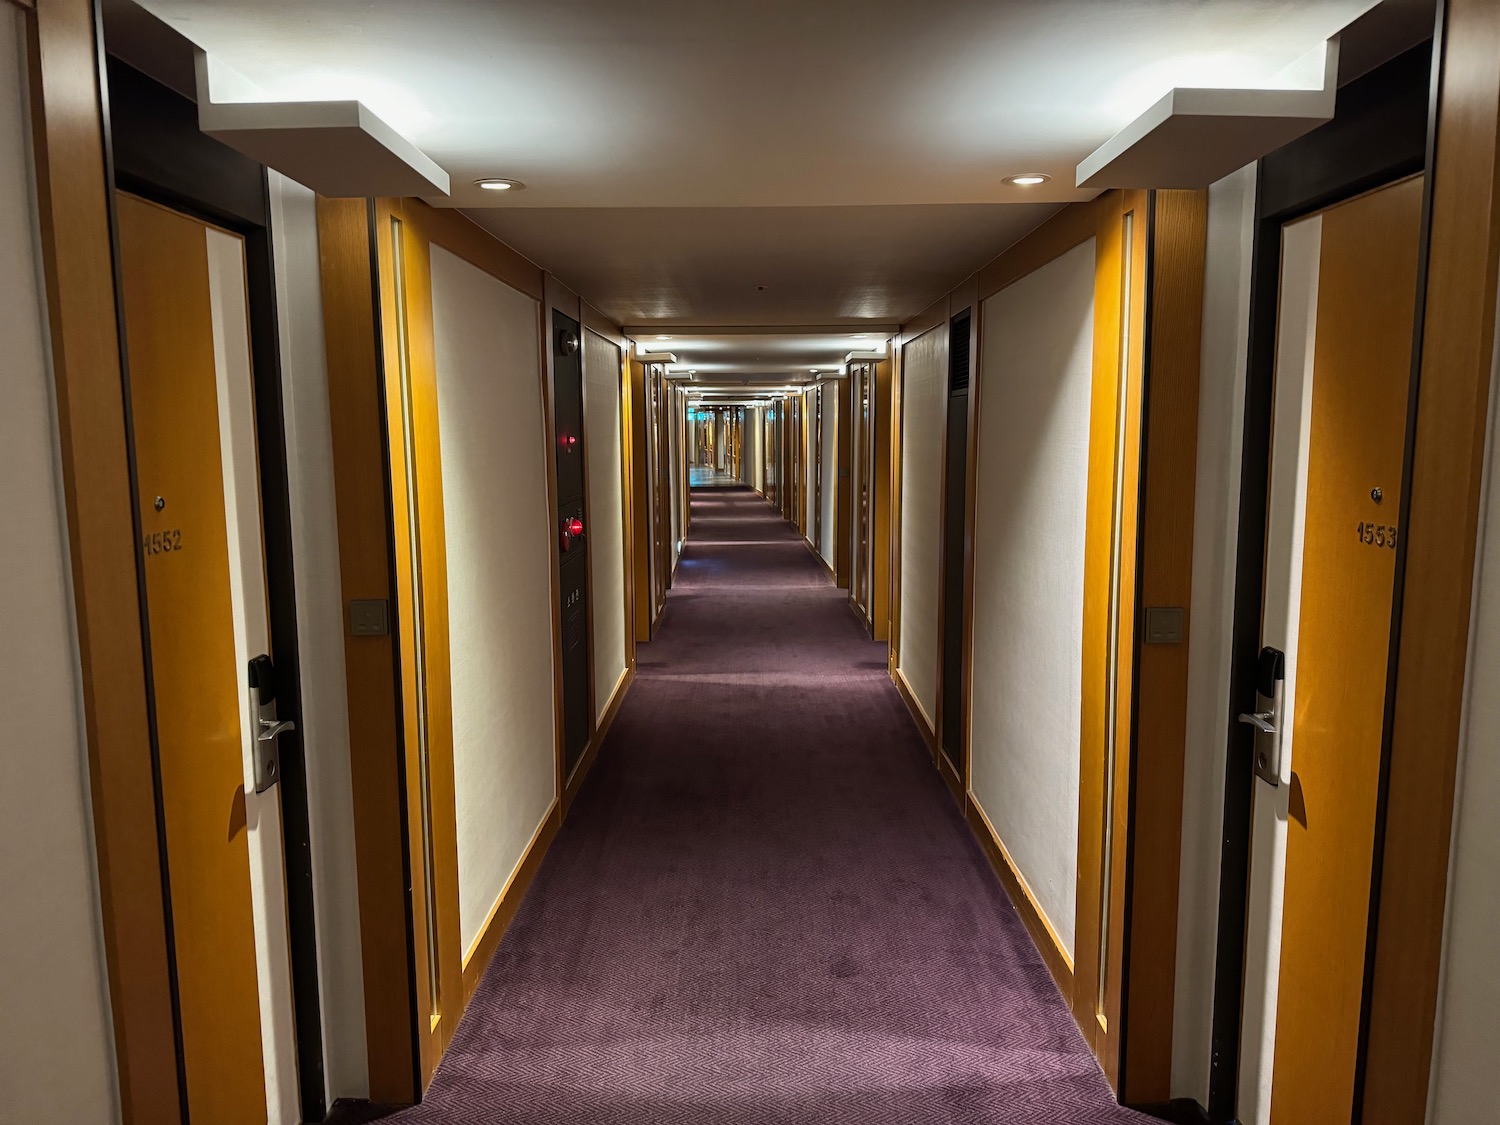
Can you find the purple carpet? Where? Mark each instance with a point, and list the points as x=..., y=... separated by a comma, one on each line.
x=764, y=906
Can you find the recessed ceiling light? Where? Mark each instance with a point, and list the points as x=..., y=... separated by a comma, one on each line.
x=861, y=336
x=494, y=183
x=1028, y=179
x=664, y=337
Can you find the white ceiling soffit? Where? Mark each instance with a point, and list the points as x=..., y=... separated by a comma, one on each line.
x=1193, y=136
x=337, y=148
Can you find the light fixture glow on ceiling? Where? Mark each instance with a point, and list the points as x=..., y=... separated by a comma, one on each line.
x=664, y=337
x=1028, y=179
x=861, y=336
x=495, y=183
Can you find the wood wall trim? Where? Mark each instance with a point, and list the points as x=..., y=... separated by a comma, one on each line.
x=1074, y=224
x=601, y=325
x=596, y=741
x=843, y=480
x=365, y=532
x=1043, y=936
x=73, y=199
x=482, y=950
x=1169, y=488
x=1442, y=521
x=919, y=716
x=457, y=233
x=933, y=316
x=406, y=316
x=880, y=491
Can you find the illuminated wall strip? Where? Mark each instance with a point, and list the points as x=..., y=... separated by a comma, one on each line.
x=1116, y=547
x=419, y=633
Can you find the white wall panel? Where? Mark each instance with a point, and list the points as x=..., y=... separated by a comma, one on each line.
x=1030, y=518
x=601, y=400
x=924, y=416
x=56, y=1054
x=1221, y=411
x=808, y=439
x=320, y=635
x=498, y=527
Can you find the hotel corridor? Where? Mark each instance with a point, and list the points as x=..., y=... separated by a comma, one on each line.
x=764, y=907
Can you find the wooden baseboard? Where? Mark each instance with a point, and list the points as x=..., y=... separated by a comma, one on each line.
x=817, y=555
x=924, y=724
x=950, y=775
x=1043, y=936
x=477, y=959
x=586, y=763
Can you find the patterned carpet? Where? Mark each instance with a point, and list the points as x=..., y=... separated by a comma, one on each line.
x=764, y=908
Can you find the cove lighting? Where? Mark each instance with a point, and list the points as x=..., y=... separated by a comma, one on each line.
x=1028, y=179
x=496, y=184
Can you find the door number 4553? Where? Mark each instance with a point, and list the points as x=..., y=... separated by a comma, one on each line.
x=1377, y=534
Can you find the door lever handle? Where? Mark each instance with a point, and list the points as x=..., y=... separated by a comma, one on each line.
x=270, y=728
x=1262, y=721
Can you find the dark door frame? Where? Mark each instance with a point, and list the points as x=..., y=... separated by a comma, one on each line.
x=155, y=150
x=1380, y=133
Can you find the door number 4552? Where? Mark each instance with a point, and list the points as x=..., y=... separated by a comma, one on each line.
x=1377, y=534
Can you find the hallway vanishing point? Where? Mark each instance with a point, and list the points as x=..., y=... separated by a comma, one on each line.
x=764, y=907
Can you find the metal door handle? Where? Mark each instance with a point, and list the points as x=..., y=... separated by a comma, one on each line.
x=270, y=728
x=1263, y=721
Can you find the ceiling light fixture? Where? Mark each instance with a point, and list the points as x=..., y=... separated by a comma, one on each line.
x=1028, y=179
x=664, y=337
x=861, y=336
x=494, y=183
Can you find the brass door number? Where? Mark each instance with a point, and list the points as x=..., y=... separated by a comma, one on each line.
x=162, y=542
x=1377, y=534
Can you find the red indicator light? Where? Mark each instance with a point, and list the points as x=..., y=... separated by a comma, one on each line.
x=575, y=526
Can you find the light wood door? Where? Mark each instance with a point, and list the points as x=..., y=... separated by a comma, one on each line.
x=1351, y=444
x=198, y=681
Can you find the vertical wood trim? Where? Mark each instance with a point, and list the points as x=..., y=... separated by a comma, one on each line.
x=356, y=397
x=1138, y=205
x=641, y=484
x=893, y=555
x=1442, y=521
x=880, y=500
x=1169, y=487
x=73, y=194
x=409, y=309
x=967, y=297
x=1099, y=521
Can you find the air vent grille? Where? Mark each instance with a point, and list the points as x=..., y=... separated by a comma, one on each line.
x=958, y=356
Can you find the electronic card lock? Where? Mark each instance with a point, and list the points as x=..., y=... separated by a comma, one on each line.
x=1270, y=684
x=267, y=759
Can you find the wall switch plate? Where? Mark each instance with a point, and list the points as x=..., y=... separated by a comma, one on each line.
x=1164, y=624
x=369, y=617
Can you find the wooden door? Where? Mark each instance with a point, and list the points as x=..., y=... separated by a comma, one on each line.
x=1352, y=445
x=198, y=681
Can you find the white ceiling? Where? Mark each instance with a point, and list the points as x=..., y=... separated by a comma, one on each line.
x=848, y=155
x=819, y=265
x=737, y=360
x=746, y=103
